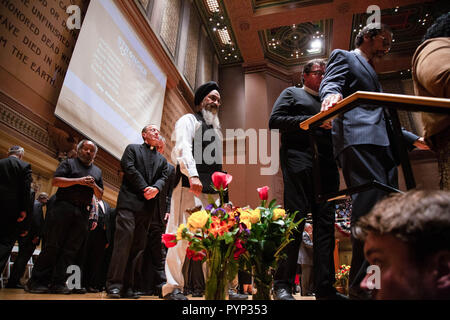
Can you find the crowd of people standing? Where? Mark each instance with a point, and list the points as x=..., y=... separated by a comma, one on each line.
x=119, y=249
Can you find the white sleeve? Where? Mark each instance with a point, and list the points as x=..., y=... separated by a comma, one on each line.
x=185, y=129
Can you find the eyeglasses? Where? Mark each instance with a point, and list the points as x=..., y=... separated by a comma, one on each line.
x=386, y=42
x=317, y=72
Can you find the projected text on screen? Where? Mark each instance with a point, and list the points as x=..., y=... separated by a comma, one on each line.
x=113, y=88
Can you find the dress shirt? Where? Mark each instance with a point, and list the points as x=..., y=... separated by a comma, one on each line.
x=185, y=129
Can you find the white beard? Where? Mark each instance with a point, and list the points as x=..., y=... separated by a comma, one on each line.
x=211, y=119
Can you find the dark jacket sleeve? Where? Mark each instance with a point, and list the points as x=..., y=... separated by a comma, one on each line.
x=27, y=201
x=280, y=118
x=133, y=176
x=162, y=180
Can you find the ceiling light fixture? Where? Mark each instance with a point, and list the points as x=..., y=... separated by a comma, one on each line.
x=224, y=36
x=213, y=5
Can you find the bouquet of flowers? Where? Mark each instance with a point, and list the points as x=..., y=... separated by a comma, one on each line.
x=342, y=277
x=215, y=236
x=268, y=230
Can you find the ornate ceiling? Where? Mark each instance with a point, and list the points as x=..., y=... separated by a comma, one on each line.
x=286, y=33
x=293, y=45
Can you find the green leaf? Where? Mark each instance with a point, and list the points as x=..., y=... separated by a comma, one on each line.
x=272, y=203
x=228, y=238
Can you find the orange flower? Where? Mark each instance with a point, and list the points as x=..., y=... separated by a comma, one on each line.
x=219, y=227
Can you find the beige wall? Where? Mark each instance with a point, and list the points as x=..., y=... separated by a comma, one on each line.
x=247, y=103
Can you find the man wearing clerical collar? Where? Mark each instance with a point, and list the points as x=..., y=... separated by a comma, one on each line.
x=145, y=174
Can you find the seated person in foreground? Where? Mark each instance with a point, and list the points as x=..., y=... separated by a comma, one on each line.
x=408, y=237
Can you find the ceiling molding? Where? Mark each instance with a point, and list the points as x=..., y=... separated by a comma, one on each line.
x=219, y=29
x=293, y=45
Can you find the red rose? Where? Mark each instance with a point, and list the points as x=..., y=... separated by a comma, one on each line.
x=195, y=255
x=263, y=192
x=221, y=180
x=239, y=249
x=169, y=240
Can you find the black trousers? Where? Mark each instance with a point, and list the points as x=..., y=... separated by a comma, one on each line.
x=194, y=279
x=130, y=239
x=9, y=232
x=26, y=249
x=299, y=196
x=66, y=229
x=94, y=256
x=150, y=275
x=361, y=164
x=7, y=240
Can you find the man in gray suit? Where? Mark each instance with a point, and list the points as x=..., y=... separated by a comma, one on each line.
x=362, y=141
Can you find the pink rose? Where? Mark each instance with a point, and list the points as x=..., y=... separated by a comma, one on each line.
x=221, y=180
x=263, y=192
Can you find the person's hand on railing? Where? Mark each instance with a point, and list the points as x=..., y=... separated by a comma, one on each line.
x=421, y=144
x=330, y=101
x=326, y=125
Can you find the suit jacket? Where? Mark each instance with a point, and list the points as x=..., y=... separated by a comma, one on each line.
x=15, y=189
x=346, y=73
x=431, y=76
x=293, y=106
x=142, y=167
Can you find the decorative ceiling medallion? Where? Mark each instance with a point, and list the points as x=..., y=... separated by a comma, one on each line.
x=218, y=27
x=293, y=45
x=408, y=23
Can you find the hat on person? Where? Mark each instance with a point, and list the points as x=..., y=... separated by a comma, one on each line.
x=204, y=90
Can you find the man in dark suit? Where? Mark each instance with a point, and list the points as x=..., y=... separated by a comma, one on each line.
x=145, y=174
x=151, y=275
x=28, y=244
x=293, y=106
x=362, y=137
x=15, y=200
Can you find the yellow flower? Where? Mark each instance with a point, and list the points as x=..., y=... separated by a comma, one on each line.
x=198, y=219
x=248, y=216
x=180, y=231
x=278, y=213
x=247, y=222
x=255, y=216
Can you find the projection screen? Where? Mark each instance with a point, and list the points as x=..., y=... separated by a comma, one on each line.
x=113, y=87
